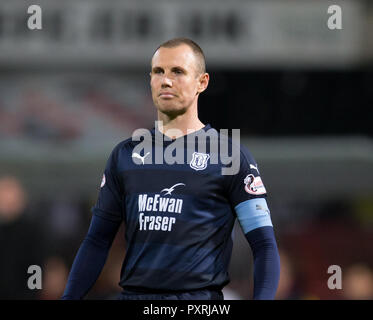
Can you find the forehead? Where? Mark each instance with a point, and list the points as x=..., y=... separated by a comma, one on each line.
x=181, y=55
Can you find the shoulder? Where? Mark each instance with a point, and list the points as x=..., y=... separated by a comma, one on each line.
x=246, y=155
x=124, y=144
x=130, y=143
x=121, y=149
x=234, y=145
x=124, y=148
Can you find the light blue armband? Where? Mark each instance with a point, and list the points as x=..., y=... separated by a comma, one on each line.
x=253, y=214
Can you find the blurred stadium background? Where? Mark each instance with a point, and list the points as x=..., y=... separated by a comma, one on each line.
x=301, y=94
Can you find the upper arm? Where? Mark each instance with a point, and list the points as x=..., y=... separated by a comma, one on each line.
x=109, y=204
x=247, y=194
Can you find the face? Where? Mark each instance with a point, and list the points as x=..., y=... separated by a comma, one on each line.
x=175, y=80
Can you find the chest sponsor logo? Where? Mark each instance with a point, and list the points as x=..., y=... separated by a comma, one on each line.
x=159, y=205
x=199, y=161
x=169, y=190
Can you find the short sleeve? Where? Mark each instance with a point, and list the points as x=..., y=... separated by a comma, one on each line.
x=109, y=204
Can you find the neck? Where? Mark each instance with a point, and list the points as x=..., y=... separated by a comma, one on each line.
x=185, y=123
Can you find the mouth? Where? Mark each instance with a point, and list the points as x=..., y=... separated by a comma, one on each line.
x=166, y=95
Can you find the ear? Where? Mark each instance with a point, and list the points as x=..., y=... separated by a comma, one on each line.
x=203, y=82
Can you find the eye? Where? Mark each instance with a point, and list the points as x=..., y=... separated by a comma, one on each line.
x=157, y=71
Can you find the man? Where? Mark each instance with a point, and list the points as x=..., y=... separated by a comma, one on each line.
x=178, y=218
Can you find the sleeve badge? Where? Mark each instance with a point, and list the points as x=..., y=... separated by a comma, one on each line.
x=254, y=185
x=103, y=180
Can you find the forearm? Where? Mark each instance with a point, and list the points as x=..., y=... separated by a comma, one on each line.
x=86, y=268
x=266, y=262
x=90, y=259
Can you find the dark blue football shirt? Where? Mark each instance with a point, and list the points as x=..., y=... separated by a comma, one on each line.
x=179, y=217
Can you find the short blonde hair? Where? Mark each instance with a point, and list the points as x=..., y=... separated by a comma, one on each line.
x=194, y=46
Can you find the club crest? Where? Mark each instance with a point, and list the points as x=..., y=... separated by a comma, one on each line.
x=199, y=161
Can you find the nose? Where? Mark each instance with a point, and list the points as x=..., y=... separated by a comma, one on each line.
x=166, y=82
